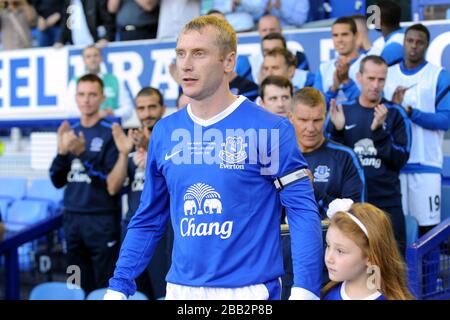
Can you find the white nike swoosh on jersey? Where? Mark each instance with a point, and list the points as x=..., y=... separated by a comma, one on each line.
x=111, y=244
x=350, y=126
x=167, y=157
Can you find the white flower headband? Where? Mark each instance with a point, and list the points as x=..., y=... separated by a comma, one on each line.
x=344, y=205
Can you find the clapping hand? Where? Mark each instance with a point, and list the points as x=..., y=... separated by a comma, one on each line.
x=399, y=94
x=379, y=117
x=337, y=115
x=75, y=144
x=140, y=158
x=123, y=142
x=341, y=73
x=140, y=137
x=63, y=148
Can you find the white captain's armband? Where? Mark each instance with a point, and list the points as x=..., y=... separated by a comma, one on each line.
x=282, y=182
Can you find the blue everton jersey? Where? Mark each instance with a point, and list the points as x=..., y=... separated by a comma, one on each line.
x=214, y=179
x=382, y=152
x=337, y=174
x=338, y=293
x=85, y=175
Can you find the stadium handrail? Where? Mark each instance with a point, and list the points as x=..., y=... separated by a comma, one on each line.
x=13, y=240
x=415, y=253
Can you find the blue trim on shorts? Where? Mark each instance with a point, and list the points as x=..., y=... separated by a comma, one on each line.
x=419, y=168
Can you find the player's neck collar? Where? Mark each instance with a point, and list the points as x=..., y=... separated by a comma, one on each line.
x=218, y=117
x=414, y=70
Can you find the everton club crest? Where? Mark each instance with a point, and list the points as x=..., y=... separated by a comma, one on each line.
x=233, y=150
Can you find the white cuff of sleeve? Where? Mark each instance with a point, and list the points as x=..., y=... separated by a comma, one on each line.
x=302, y=294
x=114, y=295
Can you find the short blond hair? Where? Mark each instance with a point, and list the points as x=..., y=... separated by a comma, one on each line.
x=310, y=97
x=226, y=36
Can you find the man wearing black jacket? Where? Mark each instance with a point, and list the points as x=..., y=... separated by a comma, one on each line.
x=49, y=18
x=380, y=134
x=81, y=21
x=87, y=156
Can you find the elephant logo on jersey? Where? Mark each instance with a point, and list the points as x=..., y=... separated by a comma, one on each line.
x=321, y=173
x=77, y=172
x=365, y=147
x=202, y=198
x=76, y=166
x=211, y=205
x=190, y=207
x=200, y=201
x=366, y=151
x=233, y=150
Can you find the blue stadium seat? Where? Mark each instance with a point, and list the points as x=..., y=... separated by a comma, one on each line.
x=23, y=213
x=412, y=229
x=12, y=188
x=43, y=190
x=100, y=293
x=56, y=291
x=445, y=202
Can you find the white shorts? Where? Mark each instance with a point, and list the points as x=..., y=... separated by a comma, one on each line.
x=421, y=197
x=266, y=291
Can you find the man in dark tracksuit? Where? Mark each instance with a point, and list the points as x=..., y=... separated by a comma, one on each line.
x=380, y=134
x=86, y=156
x=336, y=170
x=132, y=161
